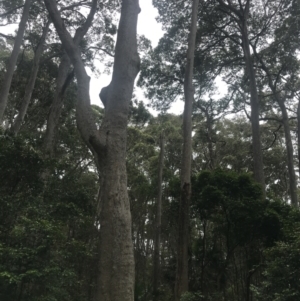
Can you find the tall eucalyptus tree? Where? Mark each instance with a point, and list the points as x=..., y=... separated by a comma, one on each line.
x=238, y=18
x=182, y=278
x=116, y=262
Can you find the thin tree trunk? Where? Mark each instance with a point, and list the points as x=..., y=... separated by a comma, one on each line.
x=290, y=152
x=287, y=132
x=31, y=82
x=181, y=281
x=256, y=139
x=13, y=60
x=203, y=257
x=156, y=259
x=298, y=128
x=116, y=259
x=62, y=82
x=210, y=143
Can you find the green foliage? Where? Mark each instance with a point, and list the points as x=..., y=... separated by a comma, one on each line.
x=188, y=296
x=282, y=265
x=46, y=232
x=236, y=226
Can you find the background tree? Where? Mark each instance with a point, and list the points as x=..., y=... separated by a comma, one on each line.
x=13, y=59
x=181, y=284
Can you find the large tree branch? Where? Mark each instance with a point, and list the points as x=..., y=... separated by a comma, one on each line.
x=62, y=82
x=81, y=31
x=246, y=11
x=84, y=115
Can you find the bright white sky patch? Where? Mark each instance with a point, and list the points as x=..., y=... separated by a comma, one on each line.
x=147, y=24
x=148, y=27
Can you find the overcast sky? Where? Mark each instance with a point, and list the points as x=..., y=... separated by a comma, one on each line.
x=147, y=24
x=148, y=27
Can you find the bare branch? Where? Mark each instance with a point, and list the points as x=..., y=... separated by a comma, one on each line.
x=275, y=138
x=102, y=49
x=11, y=11
x=74, y=5
x=7, y=36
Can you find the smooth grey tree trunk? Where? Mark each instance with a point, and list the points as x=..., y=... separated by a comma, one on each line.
x=181, y=280
x=156, y=258
x=116, y=260
x=4, y=91
x=31, y=82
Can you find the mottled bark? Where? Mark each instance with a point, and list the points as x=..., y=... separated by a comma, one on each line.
x=4, y=91
x=31, y=82
x=116, y=264
x=116, y=260
x=156, y=258
x=181, y=281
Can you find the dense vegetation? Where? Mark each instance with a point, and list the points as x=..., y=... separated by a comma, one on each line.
x=66, y=232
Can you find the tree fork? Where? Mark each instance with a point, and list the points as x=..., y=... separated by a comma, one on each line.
x=63, y=80
x=116, y=259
